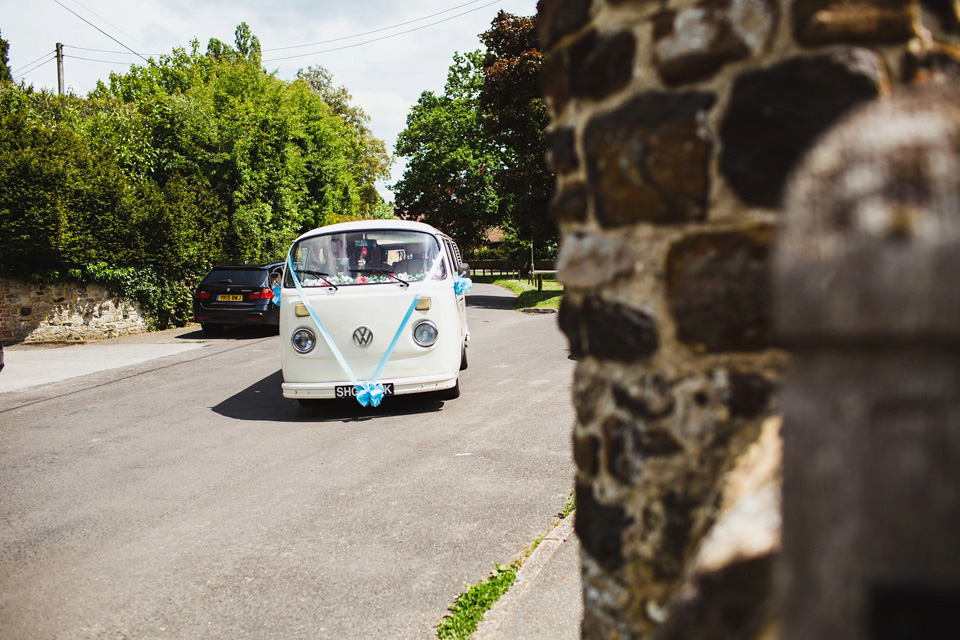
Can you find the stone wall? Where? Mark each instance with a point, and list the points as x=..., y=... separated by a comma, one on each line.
x=866, y=298
x=64, y=312
x=675, y=127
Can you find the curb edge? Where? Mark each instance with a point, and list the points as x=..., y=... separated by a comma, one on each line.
x=526, y=576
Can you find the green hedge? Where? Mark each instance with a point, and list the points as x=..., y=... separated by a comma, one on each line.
x=170, y=168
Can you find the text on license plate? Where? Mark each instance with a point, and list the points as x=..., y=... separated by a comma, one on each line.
x=350, y=391
x=229, y=298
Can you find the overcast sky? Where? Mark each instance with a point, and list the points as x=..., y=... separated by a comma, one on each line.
x=385, y=77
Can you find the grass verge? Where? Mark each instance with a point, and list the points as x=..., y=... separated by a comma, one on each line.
x=469, y=607
x=527, y=295
x=467, y=610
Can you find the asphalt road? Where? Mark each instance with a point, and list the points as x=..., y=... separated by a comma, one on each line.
x=182, y=497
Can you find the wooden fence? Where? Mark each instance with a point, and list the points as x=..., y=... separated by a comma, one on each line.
x=514, y=269
x=495, y=267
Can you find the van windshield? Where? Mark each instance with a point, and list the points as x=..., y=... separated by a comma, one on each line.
x=366, y=257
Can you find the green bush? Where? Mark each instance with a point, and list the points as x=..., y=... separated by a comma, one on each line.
x=173, y=167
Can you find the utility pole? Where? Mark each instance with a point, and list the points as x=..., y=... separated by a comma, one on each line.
x=60, y=67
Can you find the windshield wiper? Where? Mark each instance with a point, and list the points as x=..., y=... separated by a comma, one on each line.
x=381, y=272
x=323, y=276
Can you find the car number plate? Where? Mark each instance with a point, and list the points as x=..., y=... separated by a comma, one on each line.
x=350, y=391
x=229, y=298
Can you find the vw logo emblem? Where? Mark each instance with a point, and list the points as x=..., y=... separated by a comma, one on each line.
x=362, y=336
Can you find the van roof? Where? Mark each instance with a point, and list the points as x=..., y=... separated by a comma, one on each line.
x=361, y=225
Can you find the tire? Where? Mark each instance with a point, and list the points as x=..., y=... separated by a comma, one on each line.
x=212, y=329
x=463, y=357
x=450, y=394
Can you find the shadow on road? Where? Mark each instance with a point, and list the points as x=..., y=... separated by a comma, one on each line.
x=264, y=402
x=230, y=333
x=504, y=303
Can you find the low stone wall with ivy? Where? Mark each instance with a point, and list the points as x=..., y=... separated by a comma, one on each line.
x=64, y=312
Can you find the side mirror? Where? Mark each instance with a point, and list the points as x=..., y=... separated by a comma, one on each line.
x=463, y=270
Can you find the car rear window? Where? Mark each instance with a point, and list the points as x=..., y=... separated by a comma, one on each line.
x=240, y=277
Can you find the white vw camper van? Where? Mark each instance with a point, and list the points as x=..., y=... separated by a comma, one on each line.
x=372, y=309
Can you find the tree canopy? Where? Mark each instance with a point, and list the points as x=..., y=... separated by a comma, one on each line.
x=5, y=75
x=449, y=179
x=516, y=118
x=475, y=152
x=167, y=169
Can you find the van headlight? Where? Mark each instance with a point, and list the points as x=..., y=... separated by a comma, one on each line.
x=303, y=340
x=425, y=333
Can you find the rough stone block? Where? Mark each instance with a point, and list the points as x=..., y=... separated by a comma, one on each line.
x=748, y=394
x=718, y=289
x=946, y=11
x=570, y=323
x=588, y=261
x=586, y=454
x=608, y=330
x=559, y=18
x=692, y=43
x=629, y=444
x=570, y=203
x=775, y=114
x=553, y=80
x=561, y=150
x=650, y=398
x=599, y=527
x=648, y=161
x=616, y=332
x=925, y=62
x=594, y=66
x=601, y=64
x=819, y=22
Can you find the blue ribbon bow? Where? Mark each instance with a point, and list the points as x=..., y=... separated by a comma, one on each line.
x=369, y=393
x=462, y=285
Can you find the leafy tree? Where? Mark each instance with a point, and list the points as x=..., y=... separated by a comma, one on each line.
x=339, y=98
x=476, y=151
x=516, y=119
x=372, y=152
x=449, y=179
x=165, y=170
x=5, y=75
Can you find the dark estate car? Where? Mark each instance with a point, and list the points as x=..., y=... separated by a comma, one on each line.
x=237, y=294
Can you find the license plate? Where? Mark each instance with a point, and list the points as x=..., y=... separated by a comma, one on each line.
x=229, y=298
x=350, y=391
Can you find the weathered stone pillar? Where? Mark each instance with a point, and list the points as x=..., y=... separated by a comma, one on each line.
x=868, y=300
x=675, y=127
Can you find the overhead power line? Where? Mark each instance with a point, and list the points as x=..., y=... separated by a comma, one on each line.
x=123, y=53
x=16, y=71
x=100, y=30
x=53, y=57
x=97, y=60
x=392, y=35
x=367, y=33
x=89, y=10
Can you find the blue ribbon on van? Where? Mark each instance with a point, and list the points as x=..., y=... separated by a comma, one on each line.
x=369, y=392
x=461, y=285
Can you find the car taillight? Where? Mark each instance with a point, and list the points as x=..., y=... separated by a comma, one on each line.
x=201, y=295
x=263, y=294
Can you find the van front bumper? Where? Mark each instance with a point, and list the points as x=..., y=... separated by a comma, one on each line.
x=402, y=386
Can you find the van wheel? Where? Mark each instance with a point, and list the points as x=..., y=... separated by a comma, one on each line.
x=463, y=357
x=450, y=394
